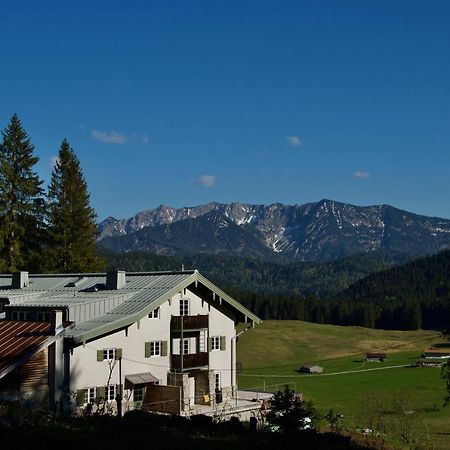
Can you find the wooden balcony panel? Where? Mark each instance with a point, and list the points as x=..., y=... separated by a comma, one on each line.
x=190, y=360
x=190, y=322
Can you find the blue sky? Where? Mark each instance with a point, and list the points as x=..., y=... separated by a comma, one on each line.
x=182, y=103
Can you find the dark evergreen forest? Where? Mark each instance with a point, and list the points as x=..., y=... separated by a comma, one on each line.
x=406, y=297
x=323, y=280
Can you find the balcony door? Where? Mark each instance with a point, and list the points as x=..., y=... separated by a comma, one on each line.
x=191, y=390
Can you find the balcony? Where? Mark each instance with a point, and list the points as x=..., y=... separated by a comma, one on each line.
x=190, y=361
x=189, y=322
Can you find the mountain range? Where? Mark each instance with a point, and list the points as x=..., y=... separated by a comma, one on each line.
x=323, y=231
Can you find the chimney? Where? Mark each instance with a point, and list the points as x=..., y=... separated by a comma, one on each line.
x=115, y=279
x=20, y=280
x=57, y=322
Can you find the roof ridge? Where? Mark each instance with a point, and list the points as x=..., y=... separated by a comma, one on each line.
x=99, y=274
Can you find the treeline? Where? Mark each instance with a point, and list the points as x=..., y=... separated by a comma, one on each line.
x=42, y=230
x=389, y=315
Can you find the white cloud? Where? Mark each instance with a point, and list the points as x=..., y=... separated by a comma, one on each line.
x=53, y=161
x=207, y=181
x=361, y=174
x=294, y=141
x=140, y=138
x=109, y=137
x=114, y=137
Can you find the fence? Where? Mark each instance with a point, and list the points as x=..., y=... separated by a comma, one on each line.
x=267, y=388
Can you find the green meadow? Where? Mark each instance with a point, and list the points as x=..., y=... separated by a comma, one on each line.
x=270, y=354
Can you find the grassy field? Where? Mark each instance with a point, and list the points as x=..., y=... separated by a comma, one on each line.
x=271, y=353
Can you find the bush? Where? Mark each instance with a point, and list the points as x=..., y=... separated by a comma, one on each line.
x=288, y=413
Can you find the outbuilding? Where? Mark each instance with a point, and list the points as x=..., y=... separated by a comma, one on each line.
x=375, y=357
x=443, y=353
x=310, y=368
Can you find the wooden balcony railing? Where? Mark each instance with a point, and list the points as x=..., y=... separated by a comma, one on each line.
x=189, y=322
x=189, y=361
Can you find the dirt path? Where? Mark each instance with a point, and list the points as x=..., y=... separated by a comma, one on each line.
x=321, y=374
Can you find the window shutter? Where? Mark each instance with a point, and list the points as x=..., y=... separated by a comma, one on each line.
x=163, y=348
x=222, y=343
x=80, y=397
x=118, y=353
x=101, y=393
x=209, y=344
x=147, y=349
x=99, y=355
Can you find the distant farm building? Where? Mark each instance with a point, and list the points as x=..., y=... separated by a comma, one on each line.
x=310, y=368
x=429, y=362
x=437, y=353
x=375, y=357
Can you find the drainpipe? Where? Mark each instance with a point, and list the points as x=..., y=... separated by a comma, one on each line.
x=56, y=354
x=182, y=345
x=119, y=396
x=233, y=362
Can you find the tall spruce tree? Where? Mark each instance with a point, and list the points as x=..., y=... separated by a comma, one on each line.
x=21, y=201
x=72, y=226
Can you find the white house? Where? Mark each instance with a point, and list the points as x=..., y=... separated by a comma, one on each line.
x=165, y=340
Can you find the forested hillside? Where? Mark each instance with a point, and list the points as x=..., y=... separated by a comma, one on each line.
x=424, y=280
x=411, y=296
x=302, y=279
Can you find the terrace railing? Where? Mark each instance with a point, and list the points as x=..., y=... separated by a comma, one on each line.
x=190, y=361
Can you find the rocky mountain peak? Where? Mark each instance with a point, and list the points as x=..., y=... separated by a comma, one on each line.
x=319, y=231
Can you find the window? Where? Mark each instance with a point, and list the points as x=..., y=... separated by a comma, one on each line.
x=155, y=348
x=20, y=315
x=184, y=307
x=215, y=343
x=154, y=314
x=109, y=354
x=90, y=395
x=110, y=393
x=42, y=316
x=185, y=346
x=202, y=341
x=138, y=393
x=217, y=380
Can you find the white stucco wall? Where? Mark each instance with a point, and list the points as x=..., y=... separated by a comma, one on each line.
x=86, y=372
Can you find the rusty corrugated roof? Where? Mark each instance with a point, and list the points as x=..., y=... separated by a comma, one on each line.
x=21, y=340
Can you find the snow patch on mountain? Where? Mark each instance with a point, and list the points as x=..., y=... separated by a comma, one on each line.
x=313, y=231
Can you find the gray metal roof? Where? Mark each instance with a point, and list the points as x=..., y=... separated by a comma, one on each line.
x=141, y=378
x=98, y=312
